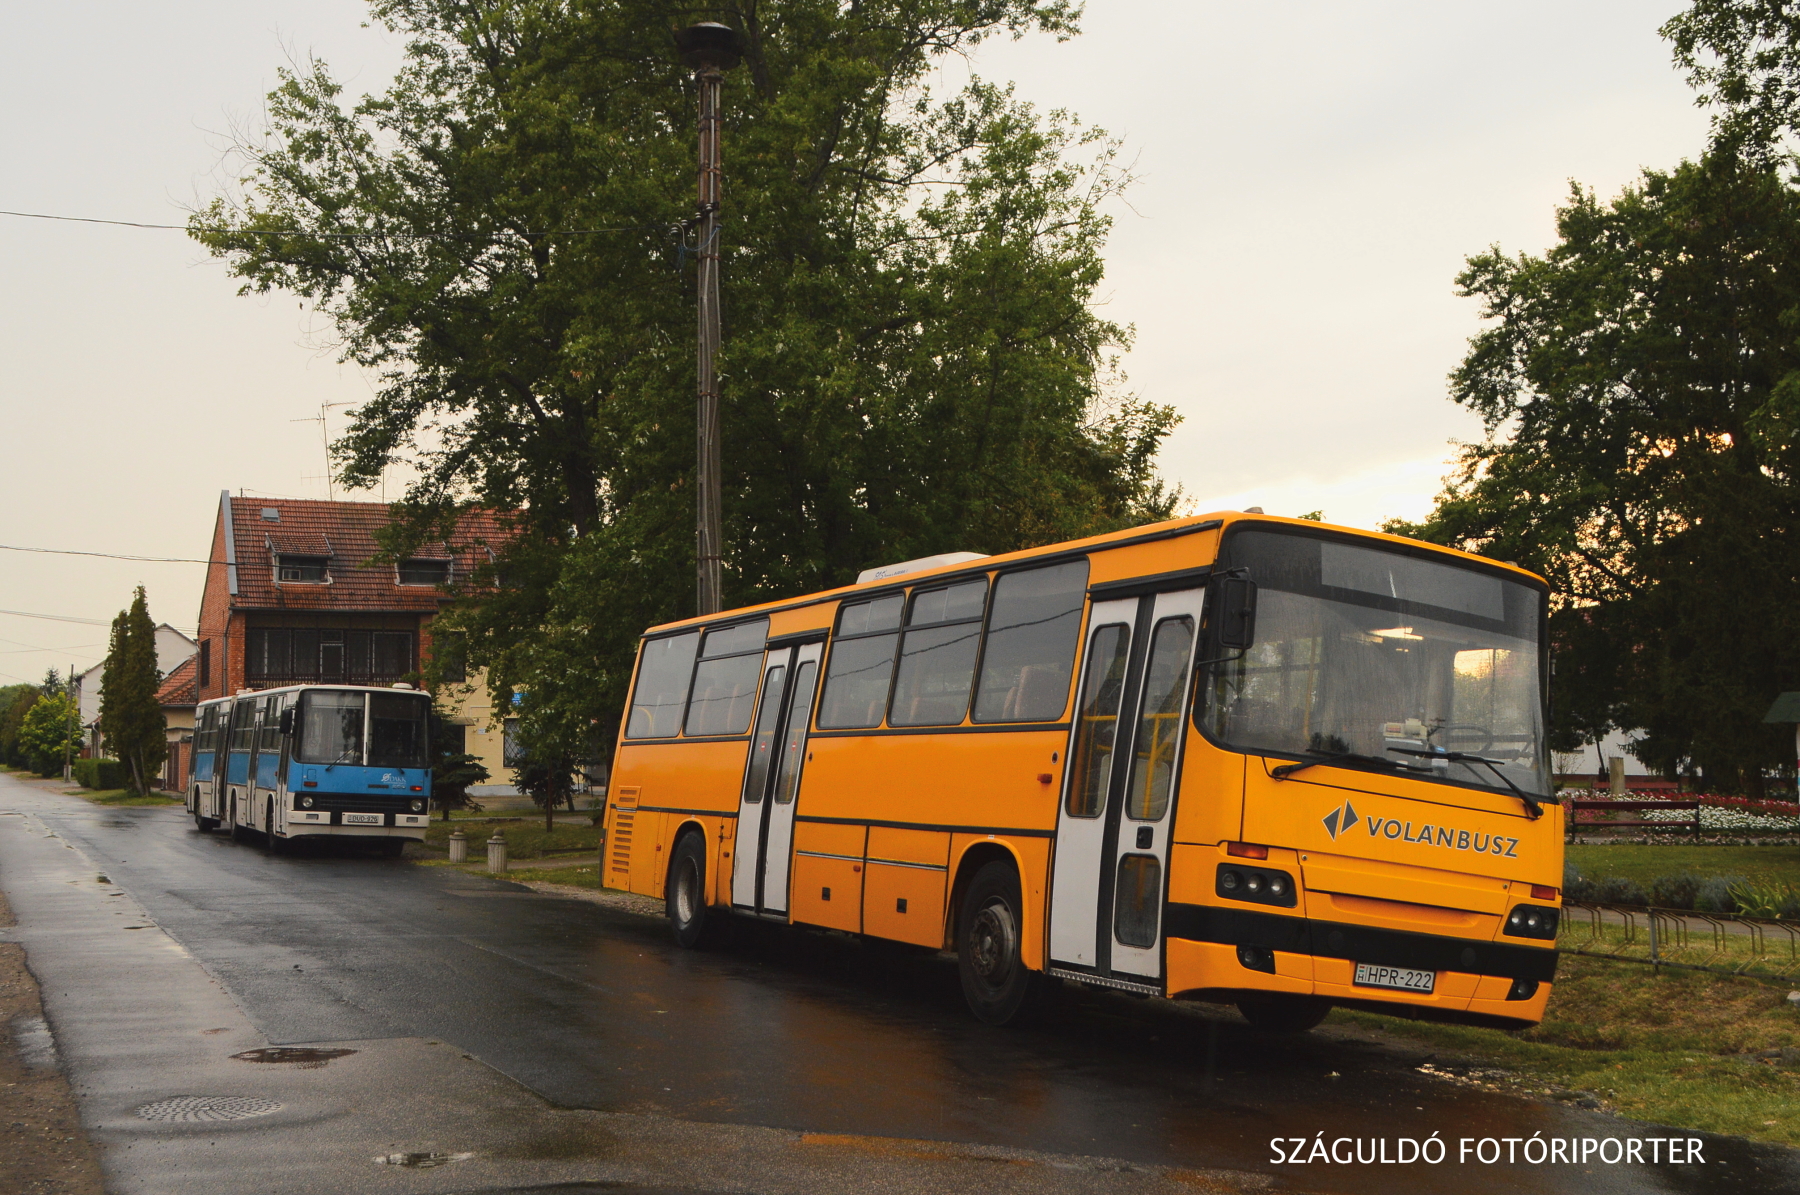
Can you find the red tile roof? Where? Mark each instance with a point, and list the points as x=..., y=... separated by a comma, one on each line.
x=344, y=533
x=178, y=688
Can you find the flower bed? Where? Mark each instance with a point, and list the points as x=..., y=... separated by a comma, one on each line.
x=1718, y=814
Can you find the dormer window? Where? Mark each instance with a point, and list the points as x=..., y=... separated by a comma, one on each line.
x=424, y=572
x=303, y=568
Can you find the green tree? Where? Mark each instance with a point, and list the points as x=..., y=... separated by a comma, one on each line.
x=1637, y=384
x=131, y=721
x=1743, y=59
x=452, y=769
x=912, y=360
x=15, y=702
x=50, y=733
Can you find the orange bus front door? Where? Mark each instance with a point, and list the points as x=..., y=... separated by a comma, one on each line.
x=1112, y=837
x=765, y=831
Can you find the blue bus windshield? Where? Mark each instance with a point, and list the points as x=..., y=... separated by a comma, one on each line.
x=332, y=728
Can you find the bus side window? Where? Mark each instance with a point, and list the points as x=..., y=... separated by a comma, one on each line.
x=862, y=664
x=725, y=681
x=1034, y=626
x=664, y=672
x=937, y=655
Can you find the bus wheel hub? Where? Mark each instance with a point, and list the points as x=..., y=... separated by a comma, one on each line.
x=992, y=948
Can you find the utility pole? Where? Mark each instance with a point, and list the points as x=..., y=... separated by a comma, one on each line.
x=711, y=49
x=74, y=693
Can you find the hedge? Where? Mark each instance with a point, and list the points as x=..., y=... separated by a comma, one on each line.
x=99, y=773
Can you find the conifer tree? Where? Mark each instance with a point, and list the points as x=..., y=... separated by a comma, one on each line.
x=130, y=719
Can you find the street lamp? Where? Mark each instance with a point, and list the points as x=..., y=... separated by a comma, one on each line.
x=711, y=49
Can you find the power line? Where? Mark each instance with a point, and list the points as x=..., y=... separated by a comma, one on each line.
x=87, y=622
x=378, y=234
x=108, y=555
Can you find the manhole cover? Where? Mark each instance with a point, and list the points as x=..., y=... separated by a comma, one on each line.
x=208, y=1107
x=305, y=1057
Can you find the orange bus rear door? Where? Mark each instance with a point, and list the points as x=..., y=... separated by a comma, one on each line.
x=765, y=830
x=1112, y=836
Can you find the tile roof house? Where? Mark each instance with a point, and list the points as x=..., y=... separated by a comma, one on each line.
x=178, y=694
x=292, y=596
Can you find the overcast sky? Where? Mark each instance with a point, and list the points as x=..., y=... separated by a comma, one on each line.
x=1312, y=177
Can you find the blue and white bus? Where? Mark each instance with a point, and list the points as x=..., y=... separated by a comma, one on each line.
x=314, y=761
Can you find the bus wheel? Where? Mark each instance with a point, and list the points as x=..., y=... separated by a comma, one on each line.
x=277, y=846
x=995, y=980
x=205, y=825
x=1282, y=1012
x=685, y=896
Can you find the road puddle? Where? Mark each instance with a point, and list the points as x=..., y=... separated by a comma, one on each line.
x=305, y=1058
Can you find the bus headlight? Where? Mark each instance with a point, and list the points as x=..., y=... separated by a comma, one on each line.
x=306, y=802
x=418, y=806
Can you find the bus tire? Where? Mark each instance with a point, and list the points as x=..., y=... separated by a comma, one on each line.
x=685, y=895
x=238, y=831
x=995, y=980
x=1283, y=1012
x=205, y=825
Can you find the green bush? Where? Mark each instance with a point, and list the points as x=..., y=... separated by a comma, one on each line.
x=1766, y=898
x=99, y=773
x=1675, y=891
x=1714, y=895
x=1619, y=890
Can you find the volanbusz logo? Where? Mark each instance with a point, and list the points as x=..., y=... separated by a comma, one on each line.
x=1340, y=820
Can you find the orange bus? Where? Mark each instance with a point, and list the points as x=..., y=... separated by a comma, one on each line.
x=1231, y=758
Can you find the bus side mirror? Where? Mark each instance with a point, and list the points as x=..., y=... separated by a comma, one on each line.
x=1237, y=614
x=287, y=721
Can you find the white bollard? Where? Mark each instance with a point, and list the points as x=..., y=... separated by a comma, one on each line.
x=497, y=854
x=459, y=847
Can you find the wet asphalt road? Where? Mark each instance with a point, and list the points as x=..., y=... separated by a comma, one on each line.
x=593, y=1007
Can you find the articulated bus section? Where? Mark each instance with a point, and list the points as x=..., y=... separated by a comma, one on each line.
x=1232, y=758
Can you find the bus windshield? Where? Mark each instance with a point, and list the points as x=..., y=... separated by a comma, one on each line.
x=331, y=728
x=1428, y=666
x=396, y=731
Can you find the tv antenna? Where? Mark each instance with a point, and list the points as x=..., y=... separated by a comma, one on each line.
x=325, y=441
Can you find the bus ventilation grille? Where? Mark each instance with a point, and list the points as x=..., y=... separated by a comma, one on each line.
x=621, y=841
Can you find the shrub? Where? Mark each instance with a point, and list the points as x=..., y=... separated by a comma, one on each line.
x=99, y=773
x=1577, y=886
x=1766, y=898
x=1714, y=895
x=1675, y=891
x=1618, y=890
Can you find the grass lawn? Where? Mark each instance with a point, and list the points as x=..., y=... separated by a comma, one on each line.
x=120, y=796
x=1643, y=863
x=575, y=877
x=525, y=839
x=1656, y=1046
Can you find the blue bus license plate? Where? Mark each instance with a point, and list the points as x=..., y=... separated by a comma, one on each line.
x=362, y=819
x=1402, y=979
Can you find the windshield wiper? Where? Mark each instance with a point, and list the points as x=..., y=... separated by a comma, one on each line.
x=1532, y=806
x=1338, y=757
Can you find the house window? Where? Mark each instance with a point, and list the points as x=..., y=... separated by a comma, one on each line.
x=303, y=568
x=277, y=654
x=424, y=572
x=512, y=755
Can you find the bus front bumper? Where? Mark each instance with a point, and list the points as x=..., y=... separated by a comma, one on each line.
x=1476, y=981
